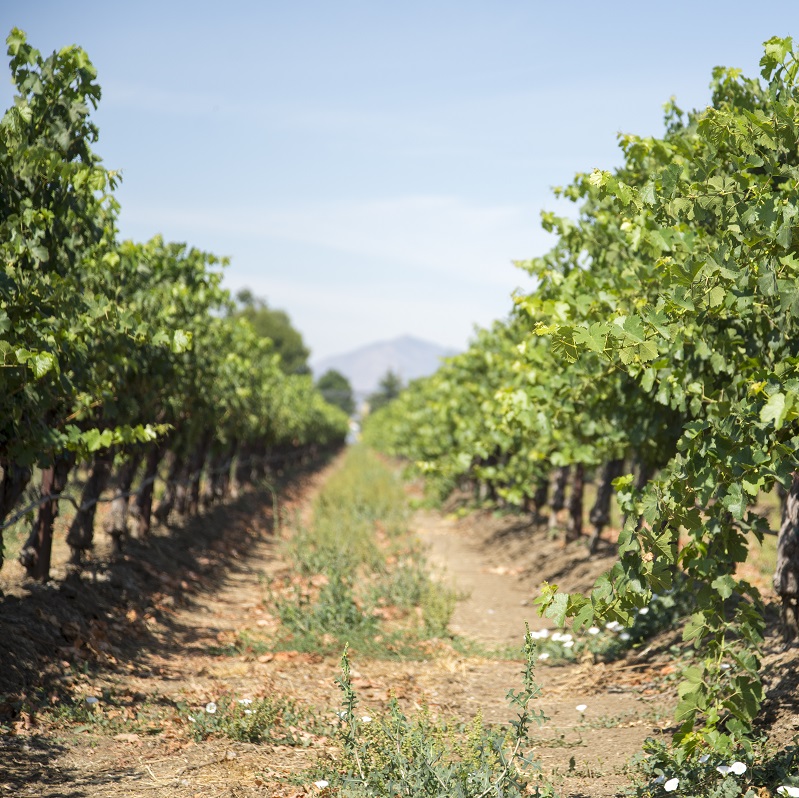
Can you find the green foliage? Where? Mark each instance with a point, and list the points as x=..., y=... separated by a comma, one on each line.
x=393, y=754
x=705, y=773
x=388, y=389
x=336, y=390
x=116, y=345
x=358, y=563
x=663, y=327
x=277, y=327
x=278, y=721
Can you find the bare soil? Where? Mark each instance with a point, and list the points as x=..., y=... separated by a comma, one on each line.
x=149, y=632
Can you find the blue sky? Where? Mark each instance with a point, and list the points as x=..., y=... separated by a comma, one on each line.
x=371, y=167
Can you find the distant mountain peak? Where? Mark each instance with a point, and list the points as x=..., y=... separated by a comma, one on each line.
x=407, y=356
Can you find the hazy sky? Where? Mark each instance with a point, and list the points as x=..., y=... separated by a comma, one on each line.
x=374, y=167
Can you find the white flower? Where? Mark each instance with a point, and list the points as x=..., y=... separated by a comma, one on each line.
x=321, y=784
x=245, y=701
x=544, y=634
x=557, y=637
x=725, y=666
x=566, y=638
x=192, y=719
x=543, y=656
x=786, y=789
x=613, y=626
x=91, y=700
x=624, y=636
x=248, y=712
x=643, y=611
x=581, y=707
x=210, y=708
x=723, y=769
x=660, y=779
x=594, y=630
x=671, y=785
x=366, y=719
x=568, y=643
x=704, y=758
x=738, y=768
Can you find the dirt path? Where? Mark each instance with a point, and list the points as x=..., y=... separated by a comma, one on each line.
x=184, y=663
x=494, y=603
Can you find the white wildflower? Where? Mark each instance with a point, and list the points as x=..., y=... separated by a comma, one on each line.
x=643, y=611
x=245, y=701
x=786, y=789
x=544, y=634
x=613, y=626
x=543, y=656
x=557, y=637
x=210, y=708
x=366, y=719
x=624, y=636
x=660, y=779
x=581, y=707
x=248, y=712
x=568, y=644
x=725, y=666
x=723, y=769
x=321, y=784
x=738, y=768
x=594, y=630
x=671, y=785
x=704, y=758
x=192, y=719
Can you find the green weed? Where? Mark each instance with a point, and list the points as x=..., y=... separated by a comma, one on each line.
x=364, y=580
x=420, y=756
x=697, y=772
x=279, y=721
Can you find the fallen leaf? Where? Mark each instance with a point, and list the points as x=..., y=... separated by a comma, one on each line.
x=127, y=738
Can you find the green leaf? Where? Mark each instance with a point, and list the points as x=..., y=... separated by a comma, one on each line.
x=716, y=296
x=774, y=410
x=724, y=585
x=181, y=341
x=734, y=501
x=557, y=608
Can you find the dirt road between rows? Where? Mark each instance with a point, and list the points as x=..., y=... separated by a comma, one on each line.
x=181, y=655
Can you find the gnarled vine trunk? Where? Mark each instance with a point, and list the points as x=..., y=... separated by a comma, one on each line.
x=36, y=553
x=539, y=500
x=143, y=506
x=80, y=537
x=118, y=517
x=786, y=574
x=600, y=512
x=558, y=501
x=14, y=481
x=574, y=528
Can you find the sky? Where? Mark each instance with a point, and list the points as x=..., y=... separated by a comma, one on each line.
x=374, y=168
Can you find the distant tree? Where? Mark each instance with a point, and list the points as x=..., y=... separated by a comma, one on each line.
x=275, y=324
x=388, y=388
x=336, y=389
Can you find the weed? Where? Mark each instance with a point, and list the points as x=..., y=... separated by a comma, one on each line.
x=420, y=756
x=362, y=577
x=274, y=720
x=694, y=772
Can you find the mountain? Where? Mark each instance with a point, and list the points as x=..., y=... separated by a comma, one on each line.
x=407, y=356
